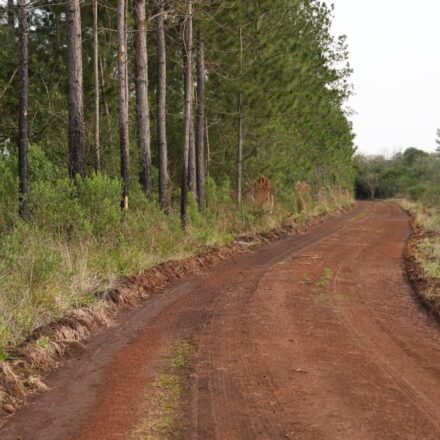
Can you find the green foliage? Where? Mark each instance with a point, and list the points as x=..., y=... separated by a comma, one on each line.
x=40, y=167
x=292, y=76
x=8, y=192
x=29, y=272
x=195, y=216
x=56, y=209
x=413, y=174
x=293, y=83
x=326, y=278
x=293, y=80
x=77, y=243
x=99, y=198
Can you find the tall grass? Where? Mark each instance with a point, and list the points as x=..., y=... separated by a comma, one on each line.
x=427, y=248
x=77, y=242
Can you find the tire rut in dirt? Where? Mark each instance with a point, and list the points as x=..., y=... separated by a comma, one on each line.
x=357, y=359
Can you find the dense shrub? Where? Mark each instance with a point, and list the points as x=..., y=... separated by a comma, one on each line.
x=8, y=193
x=56, y=208
x=99, y=198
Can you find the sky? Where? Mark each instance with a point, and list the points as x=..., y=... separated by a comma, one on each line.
x=395, y=53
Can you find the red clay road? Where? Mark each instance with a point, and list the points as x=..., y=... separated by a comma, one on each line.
x=312, y=337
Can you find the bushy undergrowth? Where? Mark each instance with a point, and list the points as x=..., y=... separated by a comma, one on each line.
x=77, y=241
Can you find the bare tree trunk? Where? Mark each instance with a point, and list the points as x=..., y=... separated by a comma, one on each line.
x=76, y=94
x=96, y=78
x=208, y=148
x=240, y=130
x=162, y=109
x=57, y=28
x=239, y=149
x=188, y=85
x=23, y=27
x=11, y=15
x=192, y=166
x=106, y=104
x=200, y=137
x=142, y=104
x=123, y=102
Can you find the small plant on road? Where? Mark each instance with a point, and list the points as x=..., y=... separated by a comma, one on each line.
x=326, y=278
x=306, y=281
x=163, y=419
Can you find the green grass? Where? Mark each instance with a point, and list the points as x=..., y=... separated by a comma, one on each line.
x=426, y=250
x=164, y=409
x=322, y=284
x=426, y=217
x=326, y=278
x=77, y=243
x=428, y=255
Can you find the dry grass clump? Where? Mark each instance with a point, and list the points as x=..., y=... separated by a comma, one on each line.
x=426, y=218
x=423, y=253
x=332, y=198
x=163, y=417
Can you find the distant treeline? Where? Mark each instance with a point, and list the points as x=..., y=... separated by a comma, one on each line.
x=413, y=174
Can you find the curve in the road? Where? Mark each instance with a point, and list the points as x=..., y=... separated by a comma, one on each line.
x=312, y=337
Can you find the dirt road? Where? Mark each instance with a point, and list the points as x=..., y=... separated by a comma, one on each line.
x=312, y=337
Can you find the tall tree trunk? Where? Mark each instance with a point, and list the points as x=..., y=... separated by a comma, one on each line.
x=23, y=27
x=123, y=102
x=192, y=165
x=239, y=149
x=106, y=104
x=57, y=28
x=142, y=104
x=96, y=78
x=240, y=129
x=200, y=136
x=76, y=94
x=188, y=86
x=162, y=109
x=208, y=147
x=11, y=15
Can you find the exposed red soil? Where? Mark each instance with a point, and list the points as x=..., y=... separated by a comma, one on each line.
x=422, y=284
x=312, y=337
x=21, y=375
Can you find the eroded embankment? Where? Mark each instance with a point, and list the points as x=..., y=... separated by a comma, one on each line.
x=22, y=374
x=425, y=286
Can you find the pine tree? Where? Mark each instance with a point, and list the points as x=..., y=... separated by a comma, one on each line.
x=123, y=102
x=77, y=135
x=23, y=32
x=188, y=108
x=161, y=116
x=200, y=134
x=142, y=104
x=96, y=85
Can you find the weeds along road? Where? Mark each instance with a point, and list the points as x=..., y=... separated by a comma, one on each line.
x=312, y=337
